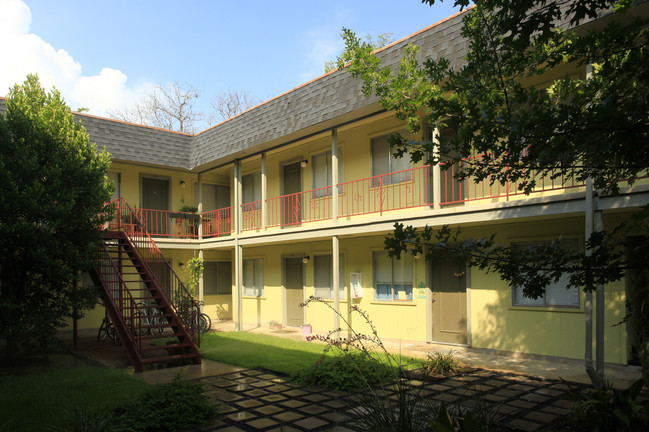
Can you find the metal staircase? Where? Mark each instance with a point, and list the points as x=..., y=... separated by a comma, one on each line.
x=154, y=317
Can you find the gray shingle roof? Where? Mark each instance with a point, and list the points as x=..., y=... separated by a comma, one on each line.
x=288, y=116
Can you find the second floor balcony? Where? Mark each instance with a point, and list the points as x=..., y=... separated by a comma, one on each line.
x=382, y=196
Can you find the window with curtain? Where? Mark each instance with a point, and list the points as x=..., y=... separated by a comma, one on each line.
x=251, y=190
x=392, y=277
x=253, y=277
x=383, y=162
x=556, y=294
x=323, y=276
x=217, y=278
x=321, y=164
x=116, y=179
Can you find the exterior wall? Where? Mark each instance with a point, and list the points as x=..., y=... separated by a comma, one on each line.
x=496, y=324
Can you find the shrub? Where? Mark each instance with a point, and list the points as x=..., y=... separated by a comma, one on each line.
x=443, y=363
x=608, y=409
x=75, y=418
x=346, y=370
x=166, y=407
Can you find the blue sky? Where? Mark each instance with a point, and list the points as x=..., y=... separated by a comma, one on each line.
x=104, y=54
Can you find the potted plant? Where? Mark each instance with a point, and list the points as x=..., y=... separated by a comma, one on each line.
x=306, y=331
x=274, y=325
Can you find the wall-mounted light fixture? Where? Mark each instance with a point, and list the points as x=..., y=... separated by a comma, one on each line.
x=304, y=163
x=305, y=259
x=181, y=265
x=183, y=184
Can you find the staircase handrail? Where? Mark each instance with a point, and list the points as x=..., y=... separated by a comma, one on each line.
x=125, y=296
x=186, y=311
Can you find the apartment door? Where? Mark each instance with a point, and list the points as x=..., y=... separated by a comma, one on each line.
x=294, y=284
x=292, y=202
x=449, y=302
x=155, y=196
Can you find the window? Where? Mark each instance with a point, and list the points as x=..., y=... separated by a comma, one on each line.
x=251, y=191
x=556, y=294
x=392, y=277
x=217, y=278
x=322, y=276
x=383, y=162
x=253, y=277
x=116, y=179
x=214, y=196
x=322, y=173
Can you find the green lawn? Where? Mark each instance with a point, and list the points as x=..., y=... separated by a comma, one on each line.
x=34, y=400
x=258, y=351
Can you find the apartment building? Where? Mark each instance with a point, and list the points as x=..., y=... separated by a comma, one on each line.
x=294, y=199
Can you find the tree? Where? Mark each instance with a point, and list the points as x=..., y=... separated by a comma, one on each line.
x=169, y=107
x=54, y=187
x=592, y=125
x=231, y=103
x=382, y=40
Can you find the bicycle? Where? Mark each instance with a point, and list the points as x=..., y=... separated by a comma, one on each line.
x=203, y=321
x=151, y=319
x=107, y=329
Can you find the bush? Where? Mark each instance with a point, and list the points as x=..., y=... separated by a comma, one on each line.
x=347, y=370
x=166, y=407
x=440, y=363
x=608, y=409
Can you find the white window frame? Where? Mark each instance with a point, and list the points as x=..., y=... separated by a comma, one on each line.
x=392, y=161
x=407, y=285
x=256, y=288
x=545, y=301
x=219, y=290
x=327, y=156
x=254, y=180
x=317, y=291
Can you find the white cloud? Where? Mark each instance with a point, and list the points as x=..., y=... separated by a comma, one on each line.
x=23, y=53
x=324, y=46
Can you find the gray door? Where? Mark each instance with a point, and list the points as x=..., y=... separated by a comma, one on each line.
x=294, y=291
x=292, y=204
x=449, y=302
x=155, y=196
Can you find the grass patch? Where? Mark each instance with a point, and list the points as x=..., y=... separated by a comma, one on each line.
x=303, y=361
x=257, y=351
x=37, y=399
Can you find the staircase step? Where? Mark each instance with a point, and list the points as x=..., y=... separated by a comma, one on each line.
x=170, y=358
x=166, y=347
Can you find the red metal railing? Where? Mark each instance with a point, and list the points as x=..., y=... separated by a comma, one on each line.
x=301, y=207
x=164, y=223
x=454, y=191
x=181, y=301
x=122, y=304
x=394, y=191
x=251, y=216
x=217, y=223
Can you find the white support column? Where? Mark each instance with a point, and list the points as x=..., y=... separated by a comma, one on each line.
x=238, y=284
x=436, y=183
x=335, y=260
x=200, y=208
x=264, y=194
x=237, y=197
x=200, y=280
x=334, y=175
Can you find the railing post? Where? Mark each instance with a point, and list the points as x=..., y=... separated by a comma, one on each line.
x=200, y=207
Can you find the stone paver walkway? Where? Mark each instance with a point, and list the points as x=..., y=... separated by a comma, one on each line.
x=252, y=400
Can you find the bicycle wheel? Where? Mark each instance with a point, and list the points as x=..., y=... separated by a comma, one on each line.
x=145, y=321
x=204, y=323
x=112, y=333
x=103, y=331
